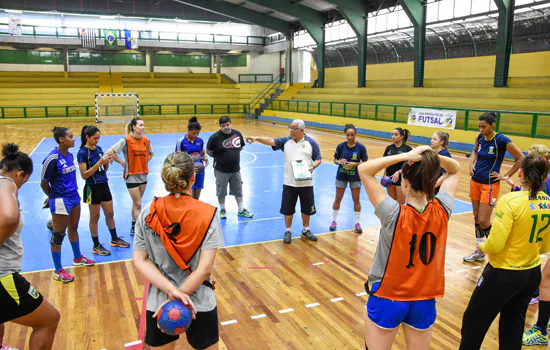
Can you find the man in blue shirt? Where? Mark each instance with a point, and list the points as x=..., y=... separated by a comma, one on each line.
x=302, y=156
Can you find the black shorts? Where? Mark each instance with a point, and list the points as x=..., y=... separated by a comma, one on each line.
x=398, y=183
x=97, y=193
x=17, y=297
x=202, y=333
x=134, y=185
x=290, y=197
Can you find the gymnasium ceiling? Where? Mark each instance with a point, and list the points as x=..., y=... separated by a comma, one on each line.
x=278, y=15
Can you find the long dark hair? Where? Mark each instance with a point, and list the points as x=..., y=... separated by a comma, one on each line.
x=405, y=133
x=87, y=130
x=350, y=126
x=59, y=132
x=193, y=124
x=535, y=169
x=15, y=160
x=131, y=124
x=424, y=174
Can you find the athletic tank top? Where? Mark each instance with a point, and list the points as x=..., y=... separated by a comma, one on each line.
x=138, y=155
x=11, y=251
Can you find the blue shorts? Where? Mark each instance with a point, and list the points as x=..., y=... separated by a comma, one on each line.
x=64, y=205
x=199, y=181
x=389, y=314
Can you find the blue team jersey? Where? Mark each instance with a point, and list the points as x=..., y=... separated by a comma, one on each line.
x=445, y=153
x=60, y=172
x=356, y=154
x=490, y=154
x=193, y=148
x=91, y=157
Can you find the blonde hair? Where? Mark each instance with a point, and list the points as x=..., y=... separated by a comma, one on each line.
x=539, y=149
x=177, y=170
x=443, y=136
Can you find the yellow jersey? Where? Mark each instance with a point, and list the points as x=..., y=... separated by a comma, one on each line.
x=520, y=232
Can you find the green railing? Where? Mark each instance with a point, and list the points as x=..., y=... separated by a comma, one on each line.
x=520, y=123
x=89, y=111
x=269, y=89
x=255, y=78
x=65, y=32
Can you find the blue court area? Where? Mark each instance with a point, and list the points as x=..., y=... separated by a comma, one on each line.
x=262, y=173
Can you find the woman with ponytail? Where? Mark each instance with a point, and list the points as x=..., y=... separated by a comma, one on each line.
x=439, y=144
x=137, y=154
x=175, y=248
x=192, y=144
x=409, y=264
x=519, y=235
x=21, y=302
x=399, y=137
x=93, y=164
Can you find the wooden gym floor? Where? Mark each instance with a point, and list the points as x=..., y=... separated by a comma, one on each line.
x=102, y=308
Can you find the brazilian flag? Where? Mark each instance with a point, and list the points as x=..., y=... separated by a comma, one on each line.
x=110, y=38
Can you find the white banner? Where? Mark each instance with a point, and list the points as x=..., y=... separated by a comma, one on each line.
x=15, y=26
x=433, y=118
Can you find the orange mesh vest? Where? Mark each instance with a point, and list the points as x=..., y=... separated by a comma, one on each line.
x=182, y=224
x=138, y=155
x=416, y=264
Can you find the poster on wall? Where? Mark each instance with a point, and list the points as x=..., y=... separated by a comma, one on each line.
x=433, y=118
x=15, y=26
x=110, y=38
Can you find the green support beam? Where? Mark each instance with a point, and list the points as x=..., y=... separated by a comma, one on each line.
x=416, y=10
x=355, y=12
x=504, y=41
x=311, y=20
x=241, y=13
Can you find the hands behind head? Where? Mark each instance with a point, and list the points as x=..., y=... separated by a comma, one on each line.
x=416, y=154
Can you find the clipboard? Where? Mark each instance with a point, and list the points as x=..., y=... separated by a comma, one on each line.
x=301, y=171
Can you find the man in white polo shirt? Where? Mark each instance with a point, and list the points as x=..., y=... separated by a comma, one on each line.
x=302, y=156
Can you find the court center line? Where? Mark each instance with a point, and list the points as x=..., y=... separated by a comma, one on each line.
x=225, y=323
x=284, y=311
x=264, y=219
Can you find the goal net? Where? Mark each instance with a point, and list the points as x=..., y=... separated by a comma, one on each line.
x=112, y=105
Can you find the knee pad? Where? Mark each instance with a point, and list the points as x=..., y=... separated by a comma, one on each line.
x=479, y=232
x=57, y=238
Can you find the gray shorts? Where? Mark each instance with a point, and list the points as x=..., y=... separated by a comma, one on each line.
x=233, y=179
x=344, y=184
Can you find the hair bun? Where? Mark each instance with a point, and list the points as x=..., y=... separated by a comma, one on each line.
x=193, y=120
x=10, y=150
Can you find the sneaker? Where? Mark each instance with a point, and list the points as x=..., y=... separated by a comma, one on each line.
x=534, y=336
x=358, y=228
x=288, y=237
x=245, y=214
x=63, y=276
x=119, y=242
x=309, y=236
x=100, y=250
x=223, y=214
x=534, y=300
x=475, y=256
x=7, y=347
x=83, y=261
x=332, y=226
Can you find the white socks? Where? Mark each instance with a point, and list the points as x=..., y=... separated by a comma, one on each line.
x=334, y=215
x=240, y=203
x=357, y=217
x=306, y=228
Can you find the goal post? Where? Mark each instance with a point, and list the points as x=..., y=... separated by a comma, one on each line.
x=108, y=105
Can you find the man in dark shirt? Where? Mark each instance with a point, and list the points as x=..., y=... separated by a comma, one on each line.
x=225, y=147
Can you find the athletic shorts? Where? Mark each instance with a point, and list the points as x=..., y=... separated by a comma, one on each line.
x=290, y=197
x=199, y=181
x=485, y=193
x=234, y=181
x=202, y=333
x=134, y=185
x=64, y=205
x=389, y=314
x=344, y=184
x=17, y=297
x=398, y=183
x=96, y=193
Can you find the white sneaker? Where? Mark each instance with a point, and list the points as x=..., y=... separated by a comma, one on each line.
x=475, y=256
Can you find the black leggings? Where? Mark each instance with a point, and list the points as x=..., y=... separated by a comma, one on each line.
x=507, y=292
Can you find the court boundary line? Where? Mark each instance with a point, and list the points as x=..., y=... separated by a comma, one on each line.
x=35, y=148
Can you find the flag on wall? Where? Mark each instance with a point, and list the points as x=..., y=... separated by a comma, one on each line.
x=15, y=26
x=110, y=38
x=87, y=37
x=131, y=38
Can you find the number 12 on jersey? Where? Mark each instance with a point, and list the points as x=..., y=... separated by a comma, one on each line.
x=543, y=217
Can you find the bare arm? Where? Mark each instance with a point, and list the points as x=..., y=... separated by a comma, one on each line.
x=203, y=155
x=440, y=180
x=473, y=158
x=45, y=185
x=9, y=210
x=268, y=141
x=87, y=173
x=201, y=273
x=518, y=156
x=450, y=183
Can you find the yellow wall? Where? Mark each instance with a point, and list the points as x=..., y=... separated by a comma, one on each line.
x=521, y=65
x=455, y=135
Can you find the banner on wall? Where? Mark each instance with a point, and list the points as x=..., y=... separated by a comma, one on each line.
x=110, y=38
x=87, y=37
x=131, y=38
x=15, y=26
x=433, y=118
